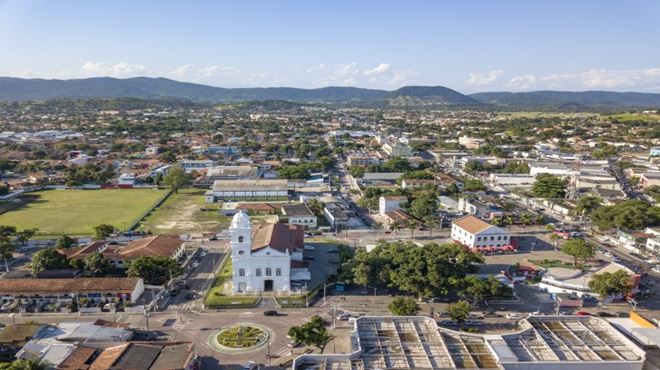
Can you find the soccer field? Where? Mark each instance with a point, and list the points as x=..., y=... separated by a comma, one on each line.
x=76, y=212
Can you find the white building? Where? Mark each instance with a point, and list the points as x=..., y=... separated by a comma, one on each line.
x=265, y=258
x=476, y=233
x=255, y=189
x=300, y=214
x=388, y=203
x=565, y=280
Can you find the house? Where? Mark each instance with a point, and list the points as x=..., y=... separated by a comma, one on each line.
x=471, y=142
x=152, y=150
x=380, y=178
x=169, y=246
x=632, y=240
x=132, y=355
x=262, y=257
x=653, y=241
x=300, y=214
x=387, y=203
x=247, y=189
x=478, y=234
x=95, y=289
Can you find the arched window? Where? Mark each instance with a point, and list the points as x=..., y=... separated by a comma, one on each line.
x=241, y=272
x=240, y=238
x=278, y=272
x=257, y=272
x=269, y=271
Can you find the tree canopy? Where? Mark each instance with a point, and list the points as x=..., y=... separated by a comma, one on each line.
x=48, y=259
x=459, y=311
x=608, y=284
x=176, y=178
x=403, y=306
x=579, y=249
x=312, y=333
x=549, y=186
x=425, y=272
x=629, y=214
x=156, y=270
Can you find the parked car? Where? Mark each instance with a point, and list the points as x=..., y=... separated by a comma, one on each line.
x=308, y=258
x=203, y=254
x=344, y=317
x=333, y=251
x=250, y=365
x=309, y=248
x=447, y=322
x=195, y=265
x=512, y=316
x=270, y=313
x=473, y=322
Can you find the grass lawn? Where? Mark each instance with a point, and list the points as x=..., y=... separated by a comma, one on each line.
x=183, y=213
x=215, y=298
x=545, y=263
x=76, y=212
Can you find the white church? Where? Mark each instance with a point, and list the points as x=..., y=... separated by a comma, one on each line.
x=266, y=258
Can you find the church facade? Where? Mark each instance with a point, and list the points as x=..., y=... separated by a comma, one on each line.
x=262, y=256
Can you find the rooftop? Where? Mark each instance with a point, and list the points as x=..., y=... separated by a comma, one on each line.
x=297, y=210
x=251, y=185
x=76, y=285
x=399, y=342
x=472, y=224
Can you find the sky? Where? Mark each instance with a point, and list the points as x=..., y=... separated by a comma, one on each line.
x=467, y=45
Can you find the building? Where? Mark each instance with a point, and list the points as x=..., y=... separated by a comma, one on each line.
x=478, y=234
x=101, y=289
x=507, y=180
x=196, y=165
x=300, y=214
x=477, y=208
x=565, y=280
x=126, y=179
x=262, y=257
x=654, y=152
x=416, y=183
x=233, y=172
x=169, y=246
x=152, y=150
x=471, y=142
x=257, y=189
x=133, y=355
x=360, y=160
x=388, y=203
x=541, y=343
x=653, y=241
x=379, y=179
x=397, y=149
x=336, y=216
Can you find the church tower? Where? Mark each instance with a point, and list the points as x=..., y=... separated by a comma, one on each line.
x=240, y=231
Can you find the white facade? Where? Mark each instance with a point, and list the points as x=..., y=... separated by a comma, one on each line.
x=477, y=235
x=389, y=203
x=266, y=269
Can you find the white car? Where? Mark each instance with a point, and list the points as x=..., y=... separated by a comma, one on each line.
x=512, y=316
x=250, y=365
x=309, y=248
x=608, y=254
x=203, y=254
x=195, y=265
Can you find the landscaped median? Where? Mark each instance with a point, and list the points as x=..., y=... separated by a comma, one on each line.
x=216, y=299
x=298, y=300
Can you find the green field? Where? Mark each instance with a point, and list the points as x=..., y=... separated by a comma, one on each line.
x=76, y=212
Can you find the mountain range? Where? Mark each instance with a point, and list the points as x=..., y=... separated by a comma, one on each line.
x=18, y=89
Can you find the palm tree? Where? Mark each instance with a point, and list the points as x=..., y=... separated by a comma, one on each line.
x=430, y=224
x=412, y=224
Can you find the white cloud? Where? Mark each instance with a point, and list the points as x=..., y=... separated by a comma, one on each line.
x=122, y=69
x=594, y=79
x=476, y=79
x=197, y=74
x=379, y=69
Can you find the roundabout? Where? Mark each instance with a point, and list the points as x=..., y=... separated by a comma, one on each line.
x=239, y=338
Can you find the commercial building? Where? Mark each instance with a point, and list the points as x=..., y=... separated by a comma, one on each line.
x=397, y=149
x=544, y=342
x=300, y=214
x=101, y=289
x=471, y=142
x=196, y=165
x=479, y=235
x=566, y=280
x=247, y=189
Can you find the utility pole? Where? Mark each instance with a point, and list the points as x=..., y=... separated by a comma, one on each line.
x=146, y=318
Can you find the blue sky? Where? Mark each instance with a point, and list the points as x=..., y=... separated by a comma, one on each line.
x=466, y=45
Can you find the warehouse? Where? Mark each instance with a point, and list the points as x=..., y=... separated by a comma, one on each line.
x=255, y=189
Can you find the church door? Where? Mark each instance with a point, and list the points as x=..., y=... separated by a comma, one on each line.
x=268, y=285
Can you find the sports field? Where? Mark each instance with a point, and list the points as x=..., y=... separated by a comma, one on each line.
x=76, y=212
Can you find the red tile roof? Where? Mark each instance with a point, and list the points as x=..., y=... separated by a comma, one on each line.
x=281, y=237
x=76, y=285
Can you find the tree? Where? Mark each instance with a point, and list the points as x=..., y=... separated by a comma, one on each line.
x=48, y=259
x=155, y=270
x=102, y=231
x=315, y=206
x=549, y=186
x=473, y=185
x=65, y=242
x=629, y=214
x=176, y=178
x=475, y=289
x=459, y=311
x=312, y=333
x=22, y=237
x=579, y=249
x=96, y=264
x=587, y=204
x=423, y=206
x=28, y=364
x=607, y=284
x=403, y=306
